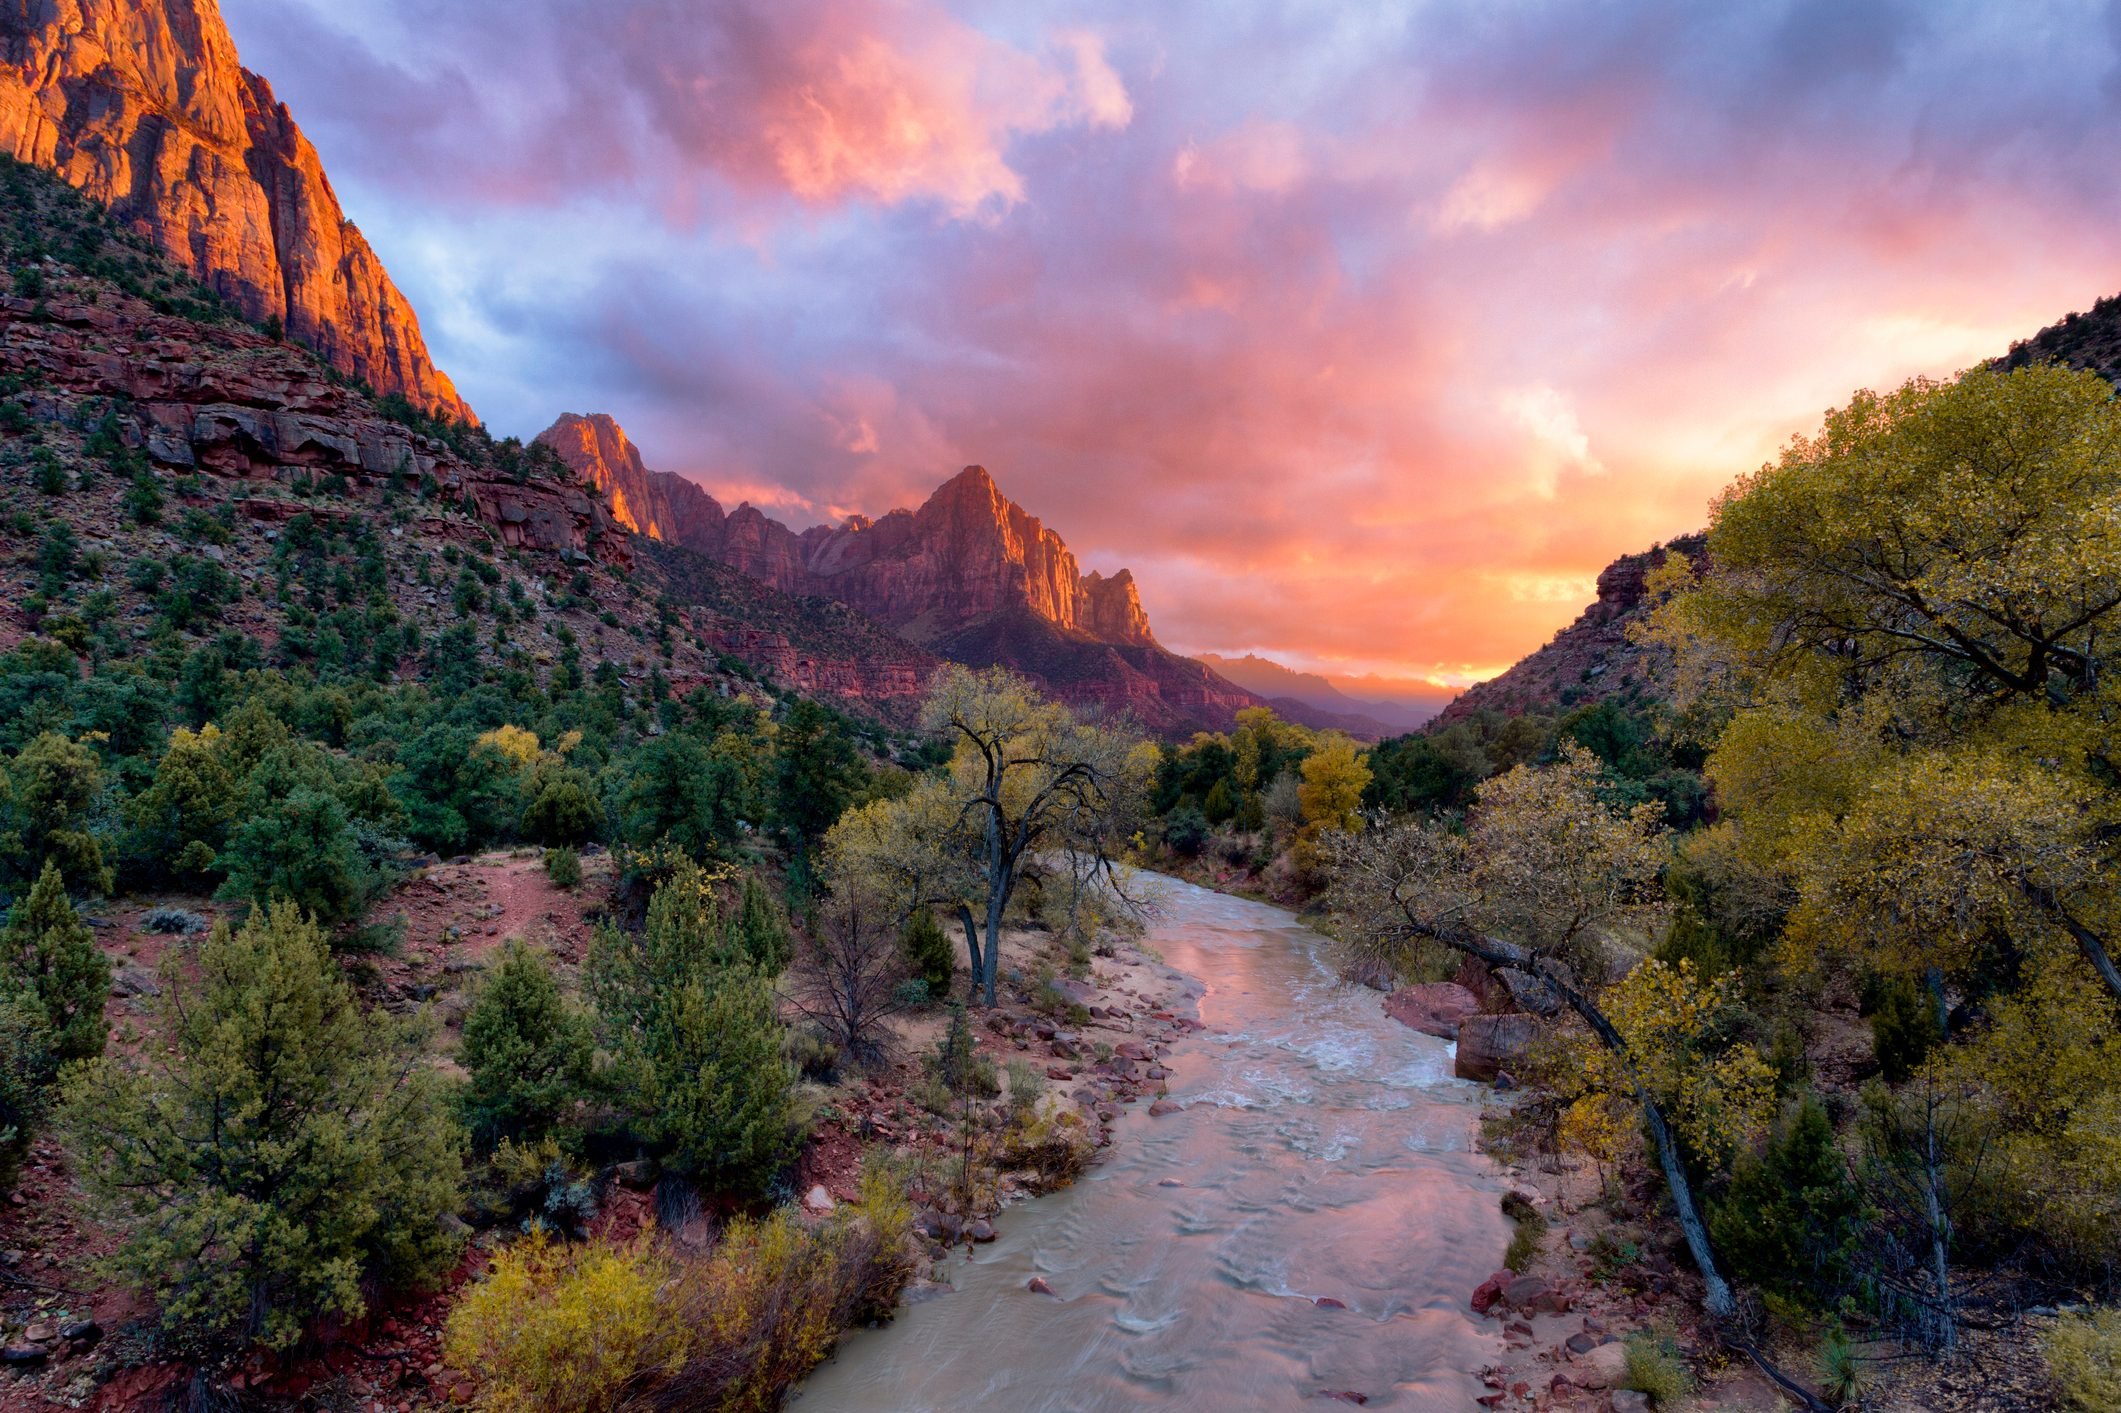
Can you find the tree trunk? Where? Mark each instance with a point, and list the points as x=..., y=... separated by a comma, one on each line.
x=2089, y=942
x=997, y=904
x=972, y=950
x=1938, y=1323
x=1716, y=1297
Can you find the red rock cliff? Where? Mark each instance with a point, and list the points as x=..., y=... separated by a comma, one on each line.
x=141, y=104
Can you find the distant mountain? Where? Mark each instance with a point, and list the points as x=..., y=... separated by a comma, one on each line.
x=142, y=106
x=1370, y=716
x=969, y=576
x=1591, y=659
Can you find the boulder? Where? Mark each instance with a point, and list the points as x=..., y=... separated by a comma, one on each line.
x=1606, y=1366
x=1475, y=976
x=1487, y=1043
x=1433, y=1008
x=818, y=1200
x=1488, y=1293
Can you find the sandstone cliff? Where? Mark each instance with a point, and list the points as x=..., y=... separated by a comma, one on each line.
x=969, y=576
x=141, y=105
x=1591, y=659
x=965, y=555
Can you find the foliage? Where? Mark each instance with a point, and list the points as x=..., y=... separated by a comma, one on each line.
x=299, y=849
x=527, y=1052
x=564, y=867
x=693, y=1023
x=285, y=1152
x=2084, y=1355
x=816, y=774
x=51, y=789
x=1186, y=831
x=1334, y=778
x=1792, y=1221
x=27, y=1067
x=927, y=952
x=760, y=932
x=554, y=1327
x=1655, y=1368
x=48, y=956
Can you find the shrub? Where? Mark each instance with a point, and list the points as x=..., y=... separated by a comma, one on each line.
x=1792, y=1221
x=554, y=1328
x=48, y=956
x=174, y=921
x=564, y=868
x=1529, y=1238
x=1841, y=1370
x=299, y=848
x=1186, y=831
x=26, y=1069
x=1655, y=1368
x=928, y=952
x=562, y=809
x=526, y=1051
x=2084, y=1354
x=285, y=1151
x=1903, y=1026
x=760, y=929
x=1027, y=1085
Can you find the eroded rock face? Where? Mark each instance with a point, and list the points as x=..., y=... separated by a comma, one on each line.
x=142, y=105
x=966, y=555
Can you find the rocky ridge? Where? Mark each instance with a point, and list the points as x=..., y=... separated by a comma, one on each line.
x=969, y=576
x=143, y=107
x=1592, y=659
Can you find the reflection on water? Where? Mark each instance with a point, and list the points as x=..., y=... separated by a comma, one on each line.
x=1324, y=1153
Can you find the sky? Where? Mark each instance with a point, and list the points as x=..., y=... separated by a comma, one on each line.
x=1364, y=333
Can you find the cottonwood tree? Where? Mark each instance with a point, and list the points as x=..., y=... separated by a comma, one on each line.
x=1936, y=571
x=1546, y=880
x=1027, y=785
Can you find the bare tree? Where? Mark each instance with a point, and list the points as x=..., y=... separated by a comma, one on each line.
x=849, y=973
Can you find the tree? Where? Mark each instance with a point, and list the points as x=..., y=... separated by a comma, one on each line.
x=1026, y=780
x=699, y=1043
x=1334, y=777
x=760, y=931
x=816, y=774
x=680, y=790
x=300, y=849
x=53, y=785
x=180, y=822
x=849, y=973
x=50, y=956
x=285, y=1151
x=1546, y=881
x=1913, y=610
x=926, y=948
x=1792, y=1221
x=563, y=809
x=527, y=1052
x=27, y=1066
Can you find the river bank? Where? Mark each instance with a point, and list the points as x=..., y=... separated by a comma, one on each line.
x=1300, y=1217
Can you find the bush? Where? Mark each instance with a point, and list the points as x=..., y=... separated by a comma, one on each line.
x=564, y=868
x=526, y=1051
x=344, y=1161
x=49, y=957
x=1529, y=1238
x=553, y=1328
x=2084, y=1354
x=760, y=929
x=1027, y=1085
x=1186, y=831
x=928, y=952
x=301, y=849
x=1903, y=1026
x=1792, y=1221
x=1655, y=1368
x=562, y=809
x=26, y=1069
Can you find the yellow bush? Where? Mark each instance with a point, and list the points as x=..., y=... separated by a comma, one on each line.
x=2084, y=1353
x=553, y=1329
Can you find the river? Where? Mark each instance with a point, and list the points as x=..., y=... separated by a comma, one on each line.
x=1324, y=1152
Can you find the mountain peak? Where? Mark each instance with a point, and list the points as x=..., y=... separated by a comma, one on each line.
x=142, y=106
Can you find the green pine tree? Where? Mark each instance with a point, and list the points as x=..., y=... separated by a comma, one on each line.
x=1792, y=1219
x=712, y=1085
x=527, y=1051
x=300, y=849
x=51, y=956
x=761, y=931
x=928, y=952
x=287, y=1152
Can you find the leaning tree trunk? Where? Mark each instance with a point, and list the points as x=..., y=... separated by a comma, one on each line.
x=972, y=951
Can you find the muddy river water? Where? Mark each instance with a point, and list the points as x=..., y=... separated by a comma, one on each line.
x=1324, y=1154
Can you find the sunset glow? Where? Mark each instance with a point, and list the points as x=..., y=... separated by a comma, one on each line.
x=1365, y=341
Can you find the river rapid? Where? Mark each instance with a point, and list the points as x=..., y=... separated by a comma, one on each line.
x=1324, y=1153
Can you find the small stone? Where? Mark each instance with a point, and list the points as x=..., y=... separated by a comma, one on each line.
x=1037, y=1286
x=636, y=1173
x=1168, y=1182
x=1627, y=1400
x=1164, y=1106
x=818, y=1200
x=1327, y=1302
x=81, y=1331
x=1344, y=1395
x=23, y=1354
x=41, y=1332
x=981, y=1231
x=1603, y=1366
x=1580, y=1343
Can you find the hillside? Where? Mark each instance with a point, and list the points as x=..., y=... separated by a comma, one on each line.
x=1589, y=661
x=175, y=479
x=146, y=110
x=1310, y=691
x=2088, y=340
x=969, y=576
